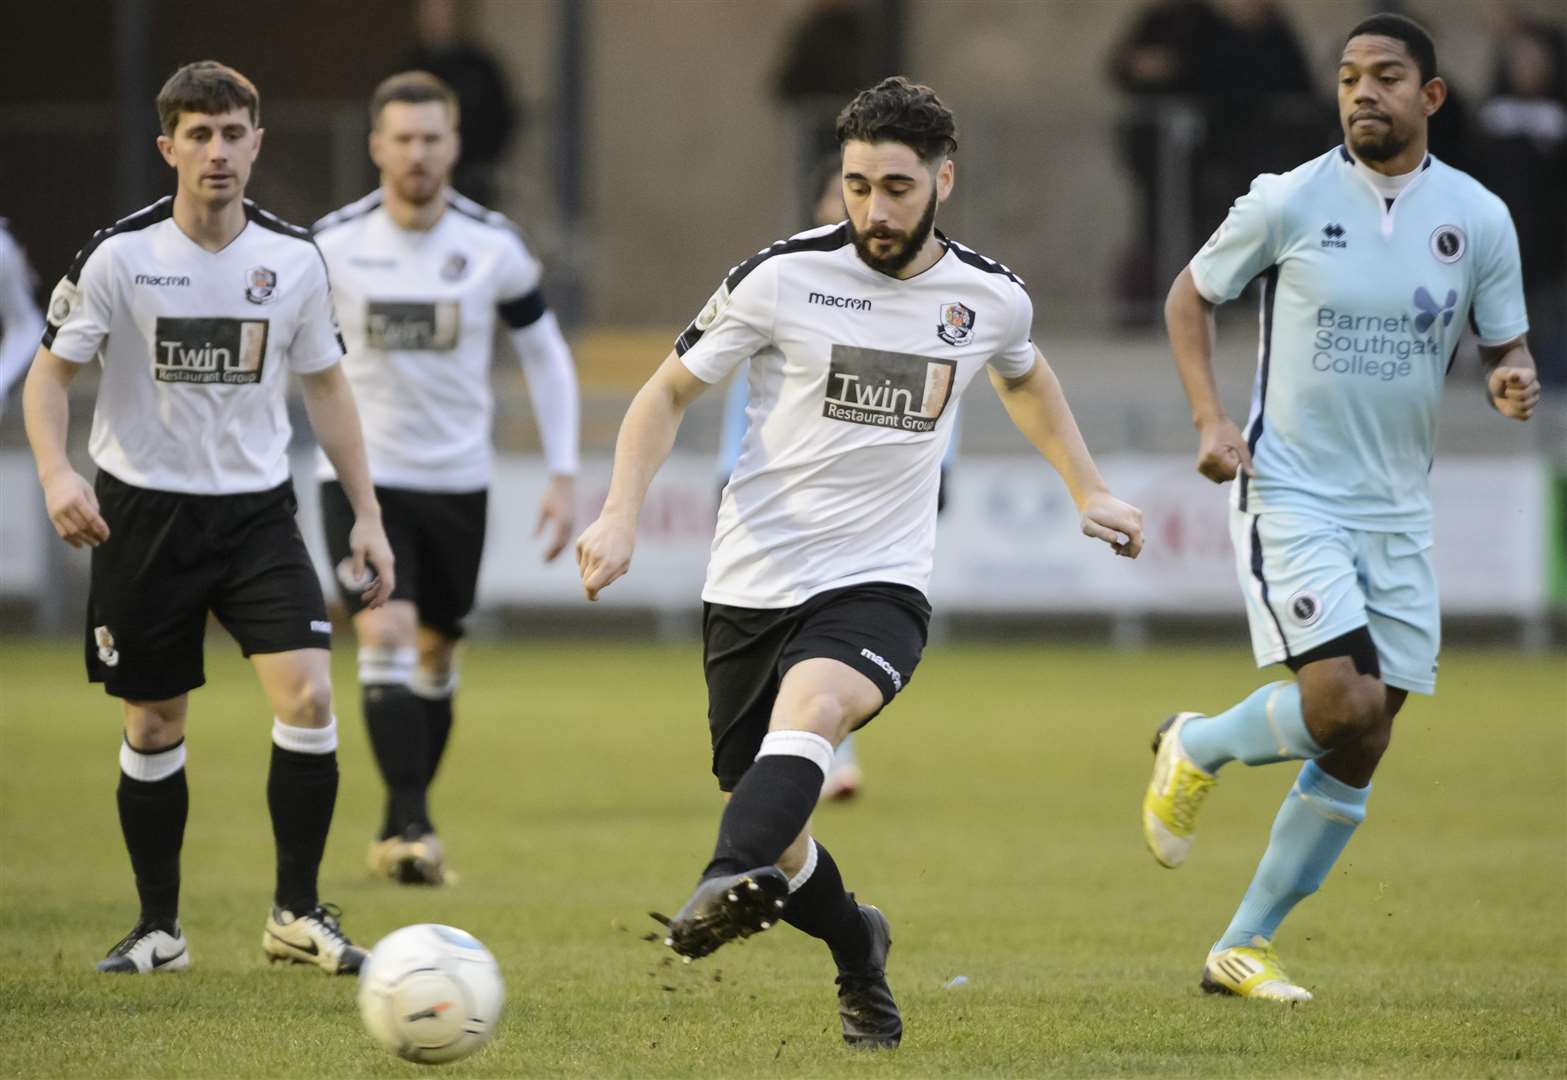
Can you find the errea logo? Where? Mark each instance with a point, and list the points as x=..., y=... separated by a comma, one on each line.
x=1333, y=235
x=163, y=280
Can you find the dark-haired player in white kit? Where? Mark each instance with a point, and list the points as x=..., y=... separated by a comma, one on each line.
x=861, y=336
x=198, y=308
x=420, y=277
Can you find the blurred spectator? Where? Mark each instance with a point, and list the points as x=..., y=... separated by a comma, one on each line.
x=1264, y=90
x=1218, y=71
x=488, y=118
x=1522, y=156
x=21, y=324
x=827, y=59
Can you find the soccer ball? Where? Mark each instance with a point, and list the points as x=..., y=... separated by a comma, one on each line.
x=430, y=993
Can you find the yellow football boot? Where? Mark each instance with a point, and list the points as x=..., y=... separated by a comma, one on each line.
x=1251, y=971
x=1174, y=795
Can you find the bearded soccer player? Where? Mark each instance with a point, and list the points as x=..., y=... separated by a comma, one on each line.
x=198, y=308
x=421, y=275
x=1373, y=257
x=861, y=336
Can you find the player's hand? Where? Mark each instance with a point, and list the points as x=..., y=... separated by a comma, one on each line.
x=73, y=509
x=604, y=553
x=1119, y=524
x=370, y=549
x=1222, y=452
x=557, y=513
x=1515, y=391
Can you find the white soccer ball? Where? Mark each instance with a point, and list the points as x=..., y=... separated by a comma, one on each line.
x=430, y=993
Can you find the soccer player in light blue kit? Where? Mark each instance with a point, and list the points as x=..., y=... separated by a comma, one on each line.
x=1373, y=257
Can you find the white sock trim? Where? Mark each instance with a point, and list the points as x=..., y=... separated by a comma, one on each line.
x=802, y=744
x=303, y=740
x=150, y=766
x=432, y=687
x=798, y=881
x=385, y=667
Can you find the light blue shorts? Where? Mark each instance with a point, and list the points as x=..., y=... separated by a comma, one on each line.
x=1308, y=581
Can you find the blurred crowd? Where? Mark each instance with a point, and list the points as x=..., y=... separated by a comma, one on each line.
x=1229, y=84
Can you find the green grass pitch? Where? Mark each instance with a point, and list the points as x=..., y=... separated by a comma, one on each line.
x=999, y=831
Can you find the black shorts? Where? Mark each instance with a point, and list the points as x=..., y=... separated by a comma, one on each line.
x=170, y=559
x=878, y=629
x=437, y=538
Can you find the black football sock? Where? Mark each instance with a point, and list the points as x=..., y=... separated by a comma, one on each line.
x=819, y=906
x=436, y=694
x=394, y=718
x=772, y=802
x=154, y=802
x=301, y=792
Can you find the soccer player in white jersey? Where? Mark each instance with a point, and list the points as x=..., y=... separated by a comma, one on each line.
x=861, y=336
x=1373, y=257
x=20, y=320
x=198, y=308
x=420, y=276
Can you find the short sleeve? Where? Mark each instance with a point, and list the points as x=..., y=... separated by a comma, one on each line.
x=316, y=344
x=735, y=324
x=1016, y=356
x=81, y=309
x=1244, y=245
x=1498, y=311
x=520, y=301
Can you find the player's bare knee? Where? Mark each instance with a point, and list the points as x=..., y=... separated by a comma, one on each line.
x=1343, y=711
x=821, y=714
x=309, y=705
x=155, y=725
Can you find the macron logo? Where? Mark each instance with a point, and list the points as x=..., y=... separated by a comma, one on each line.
x=892, y=672
x=853, y=303
x=163, y=279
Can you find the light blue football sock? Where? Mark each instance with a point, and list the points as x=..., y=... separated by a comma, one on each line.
x=1266, y=727
x=1317, y=819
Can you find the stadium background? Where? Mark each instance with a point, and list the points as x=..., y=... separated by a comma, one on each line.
x=998, y=824
x=655, y=151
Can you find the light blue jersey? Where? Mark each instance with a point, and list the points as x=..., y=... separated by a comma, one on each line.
x=1362, y=306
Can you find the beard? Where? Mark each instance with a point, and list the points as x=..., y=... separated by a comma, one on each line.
x=909, y=243
x=1384, y=147
x=418, y=189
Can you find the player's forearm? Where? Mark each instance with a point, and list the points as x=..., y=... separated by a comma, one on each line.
x=1514, y=353
x=46, y=412
x=647, y=435
x=552, y=389
x=335, y=419
x=1039, y=409
x=1188, y=319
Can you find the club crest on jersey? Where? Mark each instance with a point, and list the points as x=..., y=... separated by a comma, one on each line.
x=455, y=266
x=957, y=324
x=1448, y=243
x=260, y=285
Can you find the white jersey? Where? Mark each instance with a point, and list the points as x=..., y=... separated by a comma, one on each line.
x=196, y=347
x=418, y=310
x=853, y=389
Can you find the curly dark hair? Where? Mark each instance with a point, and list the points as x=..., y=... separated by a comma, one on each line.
x=897, y=110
